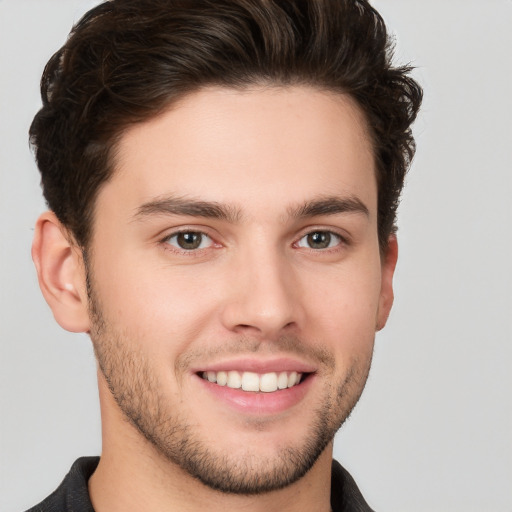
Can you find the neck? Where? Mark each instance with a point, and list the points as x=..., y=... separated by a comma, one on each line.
x=132, y=475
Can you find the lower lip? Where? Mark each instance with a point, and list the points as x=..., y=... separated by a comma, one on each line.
x=259, y=403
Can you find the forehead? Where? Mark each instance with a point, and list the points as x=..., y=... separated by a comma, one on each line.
x=253, y=148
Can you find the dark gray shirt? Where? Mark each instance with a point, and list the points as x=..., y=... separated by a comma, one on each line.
x=72, y=494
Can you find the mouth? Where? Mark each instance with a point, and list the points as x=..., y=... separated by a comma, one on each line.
x=270, y=382
x=257, y=387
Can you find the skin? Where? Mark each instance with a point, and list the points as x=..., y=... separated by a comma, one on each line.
x=254, y=292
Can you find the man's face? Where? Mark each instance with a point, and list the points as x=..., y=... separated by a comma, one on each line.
x=237, y=243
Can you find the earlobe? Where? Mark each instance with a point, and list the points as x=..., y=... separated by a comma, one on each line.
x=61, y=273
x=389, y=259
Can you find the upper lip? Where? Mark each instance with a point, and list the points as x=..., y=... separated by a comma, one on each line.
x=258, y=365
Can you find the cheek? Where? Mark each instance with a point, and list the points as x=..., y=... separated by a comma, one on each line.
x=345, y=307
x=156, y=303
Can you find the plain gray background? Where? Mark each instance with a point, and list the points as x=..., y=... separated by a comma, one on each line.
x=433, y=431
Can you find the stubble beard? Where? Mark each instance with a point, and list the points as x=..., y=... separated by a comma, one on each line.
x=141, y=399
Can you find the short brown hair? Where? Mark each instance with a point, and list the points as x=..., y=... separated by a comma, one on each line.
x=126, y=61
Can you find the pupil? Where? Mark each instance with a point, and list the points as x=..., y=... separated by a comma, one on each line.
x=189, y=240
x=319, y=240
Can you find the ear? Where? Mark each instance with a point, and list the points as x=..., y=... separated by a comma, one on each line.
x=61, y=273
x=388, y=263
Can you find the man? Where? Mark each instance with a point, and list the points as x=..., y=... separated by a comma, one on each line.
x=223, y=179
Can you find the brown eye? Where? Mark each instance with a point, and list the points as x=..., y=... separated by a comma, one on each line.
x=319, y=240
x=190, y=240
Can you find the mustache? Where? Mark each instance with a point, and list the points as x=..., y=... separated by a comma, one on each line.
x=244, y=346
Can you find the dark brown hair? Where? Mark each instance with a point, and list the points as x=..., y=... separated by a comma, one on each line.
x=127, y=60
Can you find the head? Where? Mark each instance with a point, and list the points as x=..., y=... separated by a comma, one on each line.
x=127, y=61
x=227, y=176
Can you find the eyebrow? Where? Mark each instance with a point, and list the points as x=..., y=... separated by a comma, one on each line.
x=329, y=206
x=332, y=205
x=188, y=207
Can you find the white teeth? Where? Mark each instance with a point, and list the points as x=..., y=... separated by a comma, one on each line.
x=292, y=379
x=268, y=382
x=282, y=380
x=222, y=378
x=234, y=380
x=250, y=381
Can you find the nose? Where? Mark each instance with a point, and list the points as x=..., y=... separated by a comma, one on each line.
x=263, y=297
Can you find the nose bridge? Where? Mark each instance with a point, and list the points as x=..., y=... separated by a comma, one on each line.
x=263, y=294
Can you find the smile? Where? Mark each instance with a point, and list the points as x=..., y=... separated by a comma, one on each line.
x=251, y=381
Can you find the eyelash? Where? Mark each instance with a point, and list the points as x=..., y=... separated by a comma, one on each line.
x=187, y=252
x=342, y=241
